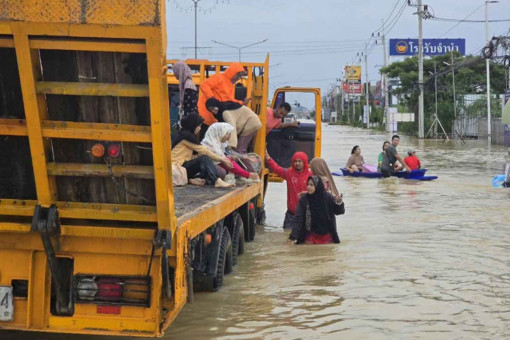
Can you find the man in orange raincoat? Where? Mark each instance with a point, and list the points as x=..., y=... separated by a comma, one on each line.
x=222, y=88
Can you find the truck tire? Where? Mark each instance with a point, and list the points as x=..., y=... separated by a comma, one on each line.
x=240, y=248
x=252, y=222
x=237, y=236
x=224, y=260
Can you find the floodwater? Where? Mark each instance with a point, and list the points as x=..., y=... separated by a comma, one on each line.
x=417, y=260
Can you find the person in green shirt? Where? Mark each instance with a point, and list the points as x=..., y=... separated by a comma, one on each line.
x=379, y=161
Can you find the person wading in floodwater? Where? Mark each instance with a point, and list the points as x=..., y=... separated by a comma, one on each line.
x=296, y=177
x=316, y=222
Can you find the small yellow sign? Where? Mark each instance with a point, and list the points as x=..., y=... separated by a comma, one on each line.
x=353, y=73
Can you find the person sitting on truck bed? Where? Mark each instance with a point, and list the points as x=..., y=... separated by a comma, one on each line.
x=188, y=94
x=220, y=86
x=216, y=139
x=316, y=222
x=296, y=177
x=244, y=121
x=274, y=117
x=186, y=144
x=356, y=161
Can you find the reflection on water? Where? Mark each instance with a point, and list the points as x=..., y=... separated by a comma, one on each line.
x=417, y=259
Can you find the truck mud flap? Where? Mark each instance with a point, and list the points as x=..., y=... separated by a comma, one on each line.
x=46, y=222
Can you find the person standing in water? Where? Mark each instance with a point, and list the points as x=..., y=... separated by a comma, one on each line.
x=316, y=211
x=320, y=168
x=296, y=177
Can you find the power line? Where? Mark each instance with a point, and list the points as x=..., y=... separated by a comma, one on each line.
x=467, y=16
x=389, y=16
x=468, y=21
x=397, y=18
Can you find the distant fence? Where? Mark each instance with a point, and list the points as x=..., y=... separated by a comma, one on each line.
x=474, y=127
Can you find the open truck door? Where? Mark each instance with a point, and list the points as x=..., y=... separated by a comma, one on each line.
x=283, y=143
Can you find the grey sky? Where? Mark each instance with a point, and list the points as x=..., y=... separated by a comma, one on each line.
x=310, y=41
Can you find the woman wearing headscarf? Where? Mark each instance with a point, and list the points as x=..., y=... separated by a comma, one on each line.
x=194, y=157
x=216, y=139
x=316, y=211
x=188, y=94
x=320, y=168
x=245, y=122
x=296, y=177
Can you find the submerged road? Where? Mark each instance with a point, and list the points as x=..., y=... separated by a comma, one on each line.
x=418, y=260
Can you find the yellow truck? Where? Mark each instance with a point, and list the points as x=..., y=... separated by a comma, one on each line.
x=94, y=238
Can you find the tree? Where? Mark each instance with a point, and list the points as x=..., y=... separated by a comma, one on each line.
x=469, y=79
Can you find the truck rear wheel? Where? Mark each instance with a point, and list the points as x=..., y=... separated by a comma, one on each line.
x=224, y=260
x=237, y=236
x=253, y=223
x=248, y=216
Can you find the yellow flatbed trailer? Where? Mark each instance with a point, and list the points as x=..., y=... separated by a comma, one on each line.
x=102, y=244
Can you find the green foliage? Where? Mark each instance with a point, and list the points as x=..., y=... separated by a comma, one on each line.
x=479, y=107
x=469, y=79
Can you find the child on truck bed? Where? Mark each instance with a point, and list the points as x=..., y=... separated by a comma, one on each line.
x=216, y=140
x=186, y=144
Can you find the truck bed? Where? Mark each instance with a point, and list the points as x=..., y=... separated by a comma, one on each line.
x=189, y=198
x=203, y=206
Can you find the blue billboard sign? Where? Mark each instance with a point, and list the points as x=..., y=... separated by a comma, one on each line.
x=409, y=47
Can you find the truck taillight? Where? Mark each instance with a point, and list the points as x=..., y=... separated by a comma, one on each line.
x=113, y=150
x=97, y=150
x=109, y=288
x=113, y=290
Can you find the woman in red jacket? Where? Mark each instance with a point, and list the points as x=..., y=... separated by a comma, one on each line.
x=296, y=177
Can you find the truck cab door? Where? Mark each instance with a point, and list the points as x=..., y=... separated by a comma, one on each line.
x=283, y=143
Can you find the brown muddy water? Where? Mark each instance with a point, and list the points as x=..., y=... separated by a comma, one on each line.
x=417, y=260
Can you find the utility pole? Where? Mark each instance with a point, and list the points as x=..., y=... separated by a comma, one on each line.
x=348, y=98
x=454, y=94
x=385, y=79
x=435, y=88
x=195, y=2
x=487, y=69
x=342, y=98
x=421, y=114
x=367, y=85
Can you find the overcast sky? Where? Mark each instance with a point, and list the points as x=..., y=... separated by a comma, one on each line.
x=310, y=41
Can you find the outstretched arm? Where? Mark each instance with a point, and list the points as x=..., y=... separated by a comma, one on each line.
x=274, y=167
x=337, y=204
x=397, y=156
